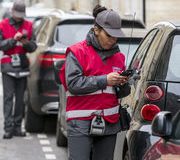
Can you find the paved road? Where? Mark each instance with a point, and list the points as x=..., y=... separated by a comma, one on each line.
x=33, y=147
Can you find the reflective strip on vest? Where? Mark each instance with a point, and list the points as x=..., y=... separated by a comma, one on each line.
x=11, y=74
x=22, y=74
x=19, y=74
x=87, y=113
x=108, y=89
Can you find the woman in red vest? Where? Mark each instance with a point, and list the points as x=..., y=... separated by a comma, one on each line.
x=91, y=70
x=16, y=39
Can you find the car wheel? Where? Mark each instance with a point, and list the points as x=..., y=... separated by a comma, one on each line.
x=126, y=156
x=33, y=122
x=61, y=140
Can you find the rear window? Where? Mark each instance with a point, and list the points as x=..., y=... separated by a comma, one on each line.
x=170, y=64
x=68, y=34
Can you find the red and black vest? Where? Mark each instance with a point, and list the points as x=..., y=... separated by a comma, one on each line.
x=8, y=31
x=104, y=101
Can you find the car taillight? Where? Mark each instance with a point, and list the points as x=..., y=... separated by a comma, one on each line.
x=154, y=93
x=46, y=60
x=148, y=111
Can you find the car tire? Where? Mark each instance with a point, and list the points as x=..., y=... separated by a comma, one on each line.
x=33, y=122
x=61, y=140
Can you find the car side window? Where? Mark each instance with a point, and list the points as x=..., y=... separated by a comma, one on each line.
x=140, y=54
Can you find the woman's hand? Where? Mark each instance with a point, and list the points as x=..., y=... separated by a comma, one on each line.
x=18, y=36
x=114, y=78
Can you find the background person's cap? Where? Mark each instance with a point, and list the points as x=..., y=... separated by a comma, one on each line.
x=19, y=9
x=110, y=21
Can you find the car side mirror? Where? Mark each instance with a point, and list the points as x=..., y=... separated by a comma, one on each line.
x=57, y=67
x=162, y=124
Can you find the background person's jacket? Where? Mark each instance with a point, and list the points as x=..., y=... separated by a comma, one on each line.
x=8, y=28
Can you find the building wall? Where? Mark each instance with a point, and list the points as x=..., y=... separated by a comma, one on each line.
x=162, y=10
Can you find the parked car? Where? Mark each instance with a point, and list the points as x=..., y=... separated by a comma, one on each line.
x=55, y=32
x=127, y=44
x=167, y=127
x=155, y=87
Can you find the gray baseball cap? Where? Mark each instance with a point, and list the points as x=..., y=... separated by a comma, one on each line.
x=110, y=21
x=19, y=9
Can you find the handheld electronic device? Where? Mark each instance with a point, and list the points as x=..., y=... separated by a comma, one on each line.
x=24, y=36
x=128, y=72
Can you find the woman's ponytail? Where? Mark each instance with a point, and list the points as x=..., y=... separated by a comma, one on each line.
x=97, y=9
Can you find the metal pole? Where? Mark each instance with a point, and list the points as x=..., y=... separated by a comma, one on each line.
x=144, y=10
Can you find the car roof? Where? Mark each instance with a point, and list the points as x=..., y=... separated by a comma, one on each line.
x=171, y=24
x=175, y=23
x=126, y=23
x=71, y=15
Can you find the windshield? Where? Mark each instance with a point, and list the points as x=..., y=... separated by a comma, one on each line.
x=68, y=34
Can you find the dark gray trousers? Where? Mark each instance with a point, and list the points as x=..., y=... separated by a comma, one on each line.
x=13, y=89
x=101, y=147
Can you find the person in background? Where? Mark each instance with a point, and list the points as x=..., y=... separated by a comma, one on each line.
x=90, y=71
x=16, y=39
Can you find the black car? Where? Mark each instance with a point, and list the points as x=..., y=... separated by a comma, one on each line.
x=56, y=31
x=155, y=87
x=127, y=44
x=167, y=127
